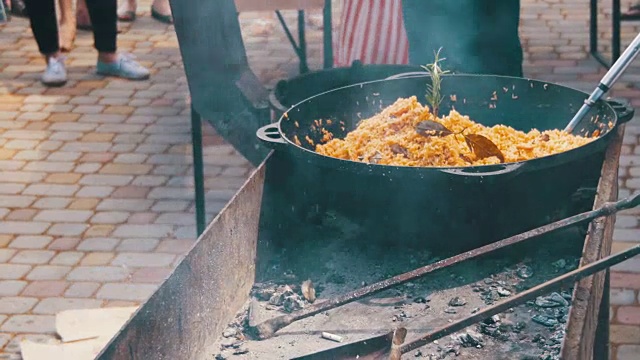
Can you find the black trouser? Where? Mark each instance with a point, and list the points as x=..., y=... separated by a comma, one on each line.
x=476, y=36
x=44, y=24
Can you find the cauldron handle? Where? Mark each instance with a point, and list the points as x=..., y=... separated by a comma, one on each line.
x=407, y=75
x=510, y=169
x=623, y=109
x=270, y=135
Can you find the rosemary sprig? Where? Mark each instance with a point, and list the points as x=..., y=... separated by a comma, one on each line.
x=433, y=95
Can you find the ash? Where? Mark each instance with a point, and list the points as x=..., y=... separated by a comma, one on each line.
x=334, y=257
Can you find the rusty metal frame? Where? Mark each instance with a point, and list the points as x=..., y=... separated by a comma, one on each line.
x=186, y=314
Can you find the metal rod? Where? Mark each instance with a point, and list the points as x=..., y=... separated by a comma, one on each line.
x=302, y=43
x=617, y=69
x=287, y=32
x=267, y=328
x=568, y=278
x=198, y=171
x=593, y=27
x=615, y=31
x=601, y=341
x=327, y=21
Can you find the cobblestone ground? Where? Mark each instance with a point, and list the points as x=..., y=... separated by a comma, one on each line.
x=96, y=190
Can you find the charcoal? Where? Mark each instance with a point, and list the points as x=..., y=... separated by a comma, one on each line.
x=544, y=302
x=450, y=311
x=545, y=320
x=229, y=332
x=560, y=264
x=420, y=300
x=292, y=303
x=558, y=299
x=457, y=301
x=503, y=292
x=470, y=339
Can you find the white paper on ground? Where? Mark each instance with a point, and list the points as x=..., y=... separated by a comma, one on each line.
x=84, y=334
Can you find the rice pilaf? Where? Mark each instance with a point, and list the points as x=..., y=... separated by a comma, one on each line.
x=390, y=138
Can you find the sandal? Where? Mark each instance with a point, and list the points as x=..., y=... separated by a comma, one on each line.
x=127, y=16
x=632, y=14
x=167, y=19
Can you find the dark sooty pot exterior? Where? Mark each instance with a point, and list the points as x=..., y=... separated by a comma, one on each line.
x=454, y=208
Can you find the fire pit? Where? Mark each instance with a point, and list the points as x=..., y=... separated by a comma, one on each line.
x=250, y=252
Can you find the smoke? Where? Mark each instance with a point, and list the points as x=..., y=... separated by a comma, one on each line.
x=476, y=36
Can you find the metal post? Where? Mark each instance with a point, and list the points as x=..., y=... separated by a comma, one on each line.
x=198, y=171
x=593, y=27
x=601, y=342
x=328, y=34
x=302, y=43
x=615, y=31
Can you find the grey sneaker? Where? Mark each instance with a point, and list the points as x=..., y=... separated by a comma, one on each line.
x=125, y=67
x=55, y=74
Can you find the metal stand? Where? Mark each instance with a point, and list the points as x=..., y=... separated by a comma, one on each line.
x=198, y=170
x=601, y=346
x=301, y=47
x=615, y=33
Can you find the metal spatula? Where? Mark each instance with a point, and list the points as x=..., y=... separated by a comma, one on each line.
x=610, y=78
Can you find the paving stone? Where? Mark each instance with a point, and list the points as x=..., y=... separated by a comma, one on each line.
x=130, y=292
x=628, y=352
x=82, y=289
x=84, y=204
x=11, y=287
x=6, y=254
x=124, y=205
x=138, y=245
x=152, y=275
x=34, y=257
x=175, y=246
x=16, y=305
x=110, y=217
x=68, y=258
x=30, y=324
x=64, y=243
x=51, y=190
x=55, y=305
x=67, y=229
x=97, y=259
x=98, y=244
x=43, y=289
x=106, y=180
x=142, y=231
x=64, y=215
x=13, y=271
x=48, y=272
x=142, y=218
x=143, y=260
x=52, y=203
x=95, y=191
x=622, y=296
x=98, y=273
x=30, y=242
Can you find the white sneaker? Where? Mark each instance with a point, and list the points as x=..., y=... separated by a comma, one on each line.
x=55, y=74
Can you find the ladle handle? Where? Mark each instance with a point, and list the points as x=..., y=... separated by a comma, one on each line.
x=610, y=78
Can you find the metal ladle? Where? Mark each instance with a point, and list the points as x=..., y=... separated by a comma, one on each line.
x=610, y=78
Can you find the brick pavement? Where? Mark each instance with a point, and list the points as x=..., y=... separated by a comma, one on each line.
x=96, y=191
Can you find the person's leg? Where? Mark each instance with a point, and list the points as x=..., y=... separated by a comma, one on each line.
x=103, y=15
x=67, y=24
x=82, y=16
x=44, y=25
x=127, y=10
x=161, y=11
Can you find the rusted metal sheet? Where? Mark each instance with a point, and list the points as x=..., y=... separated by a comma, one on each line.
x=588, y=293
x=194, y=305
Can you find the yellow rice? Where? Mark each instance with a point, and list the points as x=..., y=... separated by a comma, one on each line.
x=377, y=140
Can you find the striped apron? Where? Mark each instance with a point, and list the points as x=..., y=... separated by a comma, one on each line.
x=371, y=31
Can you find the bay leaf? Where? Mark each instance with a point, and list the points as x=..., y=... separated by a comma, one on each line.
x=483, y=147
x=432, y=128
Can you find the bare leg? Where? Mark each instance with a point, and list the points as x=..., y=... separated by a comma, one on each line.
x=127, y=10
x=82, y=15
x=67, y=25
x=161, y=11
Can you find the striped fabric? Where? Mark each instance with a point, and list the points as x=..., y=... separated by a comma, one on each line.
x=371, y=31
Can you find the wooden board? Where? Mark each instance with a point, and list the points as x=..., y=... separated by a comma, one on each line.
x=273, y=5
x=580, y=338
